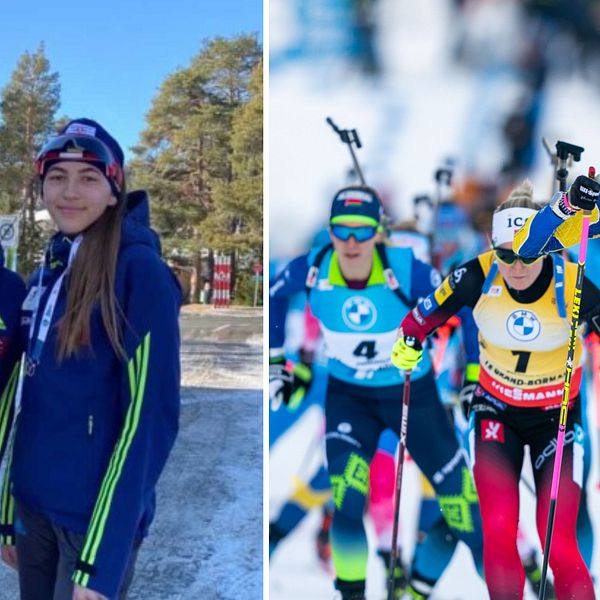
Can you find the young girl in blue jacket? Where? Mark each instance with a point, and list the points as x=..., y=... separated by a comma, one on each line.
x=100, y=393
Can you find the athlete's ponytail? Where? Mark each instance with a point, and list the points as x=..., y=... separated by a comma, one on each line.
x=520, y=197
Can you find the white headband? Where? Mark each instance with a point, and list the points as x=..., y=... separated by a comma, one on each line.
x=507, y=222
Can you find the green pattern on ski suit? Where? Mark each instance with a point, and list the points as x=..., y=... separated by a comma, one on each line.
x=355, y=476
x=457, y=508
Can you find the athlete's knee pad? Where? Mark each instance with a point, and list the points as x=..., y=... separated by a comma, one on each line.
x=349, y=475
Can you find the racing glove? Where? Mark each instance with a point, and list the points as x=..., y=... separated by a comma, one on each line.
x=582, y=195
x=406, y=353
x=288, y=386
x=470, y=381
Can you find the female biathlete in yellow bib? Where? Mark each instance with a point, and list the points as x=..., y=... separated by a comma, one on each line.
x=522, y=308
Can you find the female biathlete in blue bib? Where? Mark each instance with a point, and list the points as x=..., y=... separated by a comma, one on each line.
x=522, y=308
x=359, y=291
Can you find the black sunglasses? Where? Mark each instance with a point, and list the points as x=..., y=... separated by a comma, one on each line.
x=508, y=257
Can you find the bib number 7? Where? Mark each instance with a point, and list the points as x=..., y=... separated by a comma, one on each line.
x=522, y=360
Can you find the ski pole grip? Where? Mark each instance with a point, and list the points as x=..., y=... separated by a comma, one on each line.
x=413, y=342
x=592, y=176
x=443, y=175
x=564, y=149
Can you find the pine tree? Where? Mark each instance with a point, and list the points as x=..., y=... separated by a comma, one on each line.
x=235, y=224
x=186, y=151
x=236, y=221
x=28, y=104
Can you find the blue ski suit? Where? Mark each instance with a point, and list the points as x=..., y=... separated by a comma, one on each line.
x=364, y=394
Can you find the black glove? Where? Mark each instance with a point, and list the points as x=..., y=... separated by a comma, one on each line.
x=584, y=193
x=469, y=385
x=288, y=387
x=280, y=383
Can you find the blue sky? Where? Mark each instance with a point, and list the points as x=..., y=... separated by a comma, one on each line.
x=113, y=55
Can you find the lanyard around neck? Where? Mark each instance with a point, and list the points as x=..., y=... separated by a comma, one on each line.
x=48, y=312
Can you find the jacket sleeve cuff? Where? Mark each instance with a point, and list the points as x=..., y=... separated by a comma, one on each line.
x=7, y=535
x=83, y=572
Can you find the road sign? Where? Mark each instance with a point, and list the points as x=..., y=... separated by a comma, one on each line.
x=9, y=230
x=9, y=238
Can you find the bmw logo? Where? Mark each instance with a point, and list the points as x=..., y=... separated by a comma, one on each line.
x=359, y=313
x=523, y=325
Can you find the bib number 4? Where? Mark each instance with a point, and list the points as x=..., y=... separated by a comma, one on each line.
x=366, y=349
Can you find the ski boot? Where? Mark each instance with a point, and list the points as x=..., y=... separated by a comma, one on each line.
x=400, y=580
x=533, y=573
x=350, y=590
x=411, y=594
x=418, y=588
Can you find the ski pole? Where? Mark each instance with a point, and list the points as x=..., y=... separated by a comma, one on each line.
x=558, y=160
x=595, y=352
x=349, y=137
x=564, y=408
x=553, y=162
x=399, y=468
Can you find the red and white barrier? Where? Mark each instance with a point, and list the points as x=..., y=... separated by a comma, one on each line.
x=222, y=281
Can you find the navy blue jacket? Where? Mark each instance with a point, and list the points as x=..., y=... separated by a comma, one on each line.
x=12, y=293
x=95, y=431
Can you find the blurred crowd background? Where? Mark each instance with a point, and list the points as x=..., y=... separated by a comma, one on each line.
x=475, y=84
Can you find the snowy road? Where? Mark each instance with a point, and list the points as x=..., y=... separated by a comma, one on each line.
x=206, y=541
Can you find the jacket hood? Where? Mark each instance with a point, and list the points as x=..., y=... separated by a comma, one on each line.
x=136, y=224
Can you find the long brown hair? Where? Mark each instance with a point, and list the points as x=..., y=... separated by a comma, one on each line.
x=91, y=280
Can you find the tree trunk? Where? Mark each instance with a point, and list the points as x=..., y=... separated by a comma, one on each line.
x=233, y=273
x=195, y=287
x=211, y=273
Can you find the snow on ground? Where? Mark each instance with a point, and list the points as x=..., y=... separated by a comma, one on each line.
x=203, y=361
x=295, y=571
x=206, y=541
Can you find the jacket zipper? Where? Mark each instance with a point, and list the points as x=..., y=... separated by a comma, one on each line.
x=90, y=424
